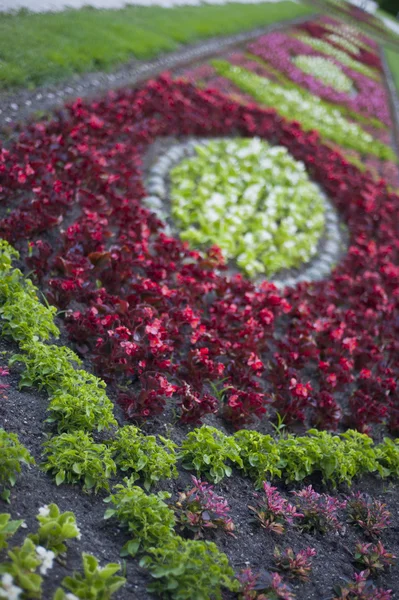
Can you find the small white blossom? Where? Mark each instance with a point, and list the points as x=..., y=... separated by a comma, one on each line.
x=44, y=511
x=8, y=590
x=47, y=558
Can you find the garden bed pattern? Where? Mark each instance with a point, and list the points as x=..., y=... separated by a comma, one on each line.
x=179, y=343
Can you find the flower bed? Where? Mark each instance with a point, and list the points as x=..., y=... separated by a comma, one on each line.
x=280, y=50
x=266, y=214
x=87, y=198
x=306, y=108
x=139, y=290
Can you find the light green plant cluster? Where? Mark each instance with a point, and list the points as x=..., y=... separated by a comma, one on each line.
x=344, y=43
x=324, y=70
x=12, y=456
x=95, y=583
x=210, y=452
x=7, y=529
x=189, y=570
x=149, y=520
x=253, y=200
x=145, y=457
x=337, y=458
x=76, y=458
x=311, y=112
x=55, y=528
x=78, y=401
x=182, y=569
x=21, y=576
x=326, y=48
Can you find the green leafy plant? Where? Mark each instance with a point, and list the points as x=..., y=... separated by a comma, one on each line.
x=260, y=455
x=75, y=457
x=7, y=528
x=54, y=528
x=189, y=570
x=80, y=402
x=23, y=316
x=148, y=518
x=24, y=561
x=337, y=458
x=266, y=213
x=208, y=451
x=325, y=70
x=144, y=456
x=45, y=365
x=96, y=583
x=12, y=455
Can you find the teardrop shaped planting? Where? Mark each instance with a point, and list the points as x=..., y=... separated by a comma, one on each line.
x=253, y=200
x=326, y=71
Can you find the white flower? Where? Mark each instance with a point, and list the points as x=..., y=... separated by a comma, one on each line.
x=8, y=590
x=44, y=511
x=71, y=597
x=47, y=558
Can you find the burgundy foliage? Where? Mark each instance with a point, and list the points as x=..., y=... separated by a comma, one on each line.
x=161, y=321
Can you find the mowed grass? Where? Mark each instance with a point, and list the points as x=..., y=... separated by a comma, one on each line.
x=40, y=48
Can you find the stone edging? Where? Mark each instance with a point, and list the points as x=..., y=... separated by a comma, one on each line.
x=316, y=269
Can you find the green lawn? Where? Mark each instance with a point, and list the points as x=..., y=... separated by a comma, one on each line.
x=39, y=48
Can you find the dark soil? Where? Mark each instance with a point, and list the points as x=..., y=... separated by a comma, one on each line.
x=24, y=412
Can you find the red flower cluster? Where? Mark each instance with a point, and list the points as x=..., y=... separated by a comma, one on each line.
x=159, y=320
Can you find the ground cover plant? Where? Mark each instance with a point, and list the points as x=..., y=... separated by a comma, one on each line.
x=178, y=341
x=241, y=216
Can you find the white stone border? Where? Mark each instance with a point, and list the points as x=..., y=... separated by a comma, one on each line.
x=316, y=269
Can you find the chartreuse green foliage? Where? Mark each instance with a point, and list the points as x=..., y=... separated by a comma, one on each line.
x=343, y=57
x=146, y=457
x=208, y=451
x=311, y=112
x=7, y=528
x=148, y=518
x=21, y=576
x=22, y=316
x=12, y=456
x=95, y=583
x=22, y=566
x=189, y=570
x=338, y=458
x=75, y=457
x=78, y=399
x=55, y=528
x=57, y=45
x=255, y=201
x=325, y=70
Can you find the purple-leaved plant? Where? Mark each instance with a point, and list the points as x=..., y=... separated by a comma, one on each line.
x=319, y=511
x=200, y=508
x=367, y=513
x=272, y=511
x=295, y=565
